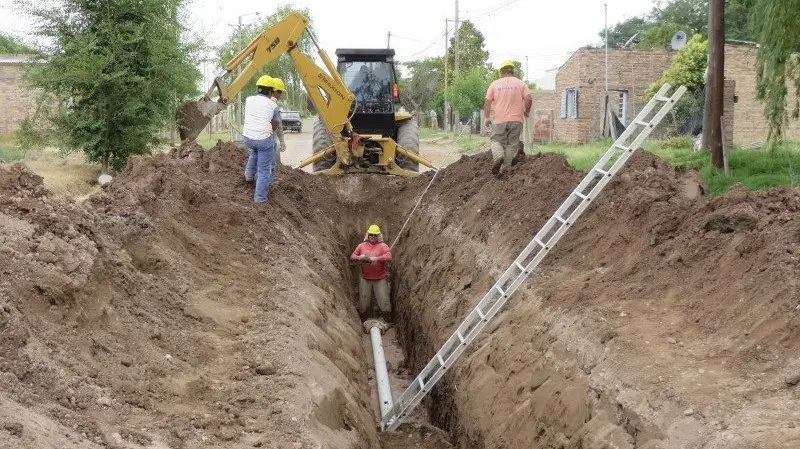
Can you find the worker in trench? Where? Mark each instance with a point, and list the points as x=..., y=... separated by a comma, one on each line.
x=257, y=130
x=509, y=100
x=374, y=255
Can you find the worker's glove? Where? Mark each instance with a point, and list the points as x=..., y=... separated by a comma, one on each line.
x=282, y=147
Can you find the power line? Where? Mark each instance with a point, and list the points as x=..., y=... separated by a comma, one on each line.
x=431, y=44
x=491, y=11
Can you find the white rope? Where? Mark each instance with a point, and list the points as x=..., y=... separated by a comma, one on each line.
x=419, y=200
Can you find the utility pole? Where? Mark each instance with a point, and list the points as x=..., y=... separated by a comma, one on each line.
x=388, y=39
x=716, y=76
x=446, y=115
x=455, y=30
x=527, y=77
x=455, y=68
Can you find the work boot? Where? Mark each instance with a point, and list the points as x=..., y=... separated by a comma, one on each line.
x=496, y=164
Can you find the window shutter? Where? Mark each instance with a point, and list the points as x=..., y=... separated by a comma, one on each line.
x=563, y=104
x=573, y=109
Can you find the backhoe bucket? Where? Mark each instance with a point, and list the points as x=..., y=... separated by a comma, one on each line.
x=193, y=116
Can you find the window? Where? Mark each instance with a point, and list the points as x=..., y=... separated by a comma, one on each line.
x=622, y=107
x=569, y=103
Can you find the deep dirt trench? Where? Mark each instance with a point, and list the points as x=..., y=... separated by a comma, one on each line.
x=168, y=311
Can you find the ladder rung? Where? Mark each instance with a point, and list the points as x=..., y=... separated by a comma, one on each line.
x=480, y=314
x=539, y=242
x=642, y=123
x=580, y=195
x=664, y=99
x=560, y=218
x=460, y=337
x=441, y=360
x=622, y=147
x=520, y=266
x=421, y=383
x=499, y=290
x=601, y=171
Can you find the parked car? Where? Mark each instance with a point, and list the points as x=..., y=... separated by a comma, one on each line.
x=291, y=121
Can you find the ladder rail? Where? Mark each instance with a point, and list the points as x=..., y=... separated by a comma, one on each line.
x=521, y=270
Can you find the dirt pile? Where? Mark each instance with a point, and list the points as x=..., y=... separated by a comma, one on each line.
x=663, y=319
x=170, y=311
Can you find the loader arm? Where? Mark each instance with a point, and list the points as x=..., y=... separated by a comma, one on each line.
x=326, y=89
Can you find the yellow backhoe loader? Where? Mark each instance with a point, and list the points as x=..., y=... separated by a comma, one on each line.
x=360, y=129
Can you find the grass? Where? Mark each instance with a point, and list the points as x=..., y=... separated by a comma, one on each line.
x=464, y=142
x=10, y=151
x=207, y=140
x=755, y=169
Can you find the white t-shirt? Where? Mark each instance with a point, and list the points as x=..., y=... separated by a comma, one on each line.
x=258, y=113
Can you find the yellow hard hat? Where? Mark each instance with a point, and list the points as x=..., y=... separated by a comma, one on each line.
x=277, y=84
x=374, y=230
x=265, y=81
x=505, y=64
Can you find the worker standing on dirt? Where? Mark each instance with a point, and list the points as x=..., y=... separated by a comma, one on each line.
x=434, y=120
x=257, y=130
x=278, y=88
x=373, y=255
x=510, y=100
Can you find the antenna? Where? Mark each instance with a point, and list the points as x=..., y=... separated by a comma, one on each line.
x=678, y=41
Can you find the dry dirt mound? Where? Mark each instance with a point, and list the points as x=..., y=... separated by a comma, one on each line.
x=170, y=311
x=663, y=319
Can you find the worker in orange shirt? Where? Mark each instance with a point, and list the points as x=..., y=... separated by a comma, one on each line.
x=510, y=99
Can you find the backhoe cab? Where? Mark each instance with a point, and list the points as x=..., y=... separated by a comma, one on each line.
x=377, y=118
x=361, y=128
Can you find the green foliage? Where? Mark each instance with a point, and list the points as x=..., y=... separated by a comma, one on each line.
x=117, y=70
x=419, y=90
x=687, y=68
x=468, y=91
x=471, y=52
x=676, y=143
x=294, y=98
x=777, y=27
x=12, y=46
x=656, y=29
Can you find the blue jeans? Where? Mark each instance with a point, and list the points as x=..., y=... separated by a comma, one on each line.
x=262, y=153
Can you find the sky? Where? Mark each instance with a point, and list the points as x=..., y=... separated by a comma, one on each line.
x=544, y=31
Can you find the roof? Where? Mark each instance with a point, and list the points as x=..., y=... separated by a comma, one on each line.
x=364, y=52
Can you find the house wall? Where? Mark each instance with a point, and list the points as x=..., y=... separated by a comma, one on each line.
x=750, y=124
x=18, y=100
x=628, y=70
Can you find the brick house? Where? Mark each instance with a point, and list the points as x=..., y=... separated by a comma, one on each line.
x=18, y=100
x=750, y=125
x=580, y=86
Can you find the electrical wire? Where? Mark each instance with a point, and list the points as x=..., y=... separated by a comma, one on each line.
x=434, y=42
x=504, y=5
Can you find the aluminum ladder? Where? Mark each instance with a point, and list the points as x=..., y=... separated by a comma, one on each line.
x=515, y=275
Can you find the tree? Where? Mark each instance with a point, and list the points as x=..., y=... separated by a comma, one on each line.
x=425, y=80
x=468, y=91
x=776, y=25
x=282, y=67
x=656, y=29
x=12, y=46
x=117, y=69
x=688, y=66
x=471, y=52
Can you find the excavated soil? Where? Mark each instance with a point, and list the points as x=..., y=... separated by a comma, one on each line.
x=168, y=311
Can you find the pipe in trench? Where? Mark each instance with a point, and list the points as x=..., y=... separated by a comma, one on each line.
x=375, y=328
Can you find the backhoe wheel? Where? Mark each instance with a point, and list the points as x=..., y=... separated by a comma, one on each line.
x=408, y=138
x=321, y=141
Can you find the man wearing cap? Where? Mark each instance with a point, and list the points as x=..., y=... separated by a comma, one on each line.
x=373, y=255
x=510, y=98
x=278, y=87
x=257, y=129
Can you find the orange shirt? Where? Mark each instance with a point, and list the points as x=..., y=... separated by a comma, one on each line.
x=508, y=95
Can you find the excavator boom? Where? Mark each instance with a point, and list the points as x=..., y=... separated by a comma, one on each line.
x=326, y=89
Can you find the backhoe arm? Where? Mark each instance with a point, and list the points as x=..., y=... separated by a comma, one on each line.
x=326, y=90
